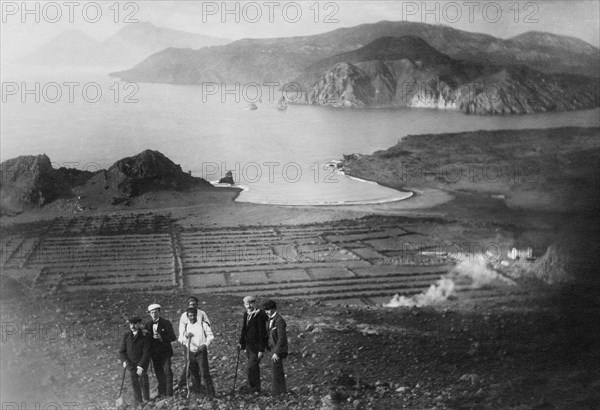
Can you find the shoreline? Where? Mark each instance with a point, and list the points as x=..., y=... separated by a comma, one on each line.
x=402, y=196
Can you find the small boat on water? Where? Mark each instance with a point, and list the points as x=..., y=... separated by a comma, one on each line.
x=335, y=164
x=282, y=104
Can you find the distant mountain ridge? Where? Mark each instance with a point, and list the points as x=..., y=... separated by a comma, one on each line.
x=129, y=45
x=283, y=59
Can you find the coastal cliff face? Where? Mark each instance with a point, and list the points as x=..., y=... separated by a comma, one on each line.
x=407, y=72
x=31, y=181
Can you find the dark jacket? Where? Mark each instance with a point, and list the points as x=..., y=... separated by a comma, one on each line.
x=278, y=336
x=254, y=335
x=135, y=350
x=165, y=329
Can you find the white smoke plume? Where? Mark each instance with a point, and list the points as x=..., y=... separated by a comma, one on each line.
x=475, y=270
x=437, y=292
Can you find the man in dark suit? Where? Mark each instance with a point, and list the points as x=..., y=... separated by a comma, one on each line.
x=278, y=345
x=253, y=340
x=161, y=335
x=135, y=355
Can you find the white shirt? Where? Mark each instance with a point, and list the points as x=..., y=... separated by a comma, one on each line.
x=183, y=320
x=252, y=314
x=271, y=320
x=201, y=335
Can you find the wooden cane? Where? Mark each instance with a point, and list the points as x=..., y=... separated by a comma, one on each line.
x=187, y=368
x=119, y=401
x=237, y=364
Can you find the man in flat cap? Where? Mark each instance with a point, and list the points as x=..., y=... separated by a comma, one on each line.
x=196, y=337
x=192, y=302
x=161, y=335
x=278, y=345
x=135, y=355
x=253, y=340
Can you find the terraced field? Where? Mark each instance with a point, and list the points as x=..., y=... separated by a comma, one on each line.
x=361, y=261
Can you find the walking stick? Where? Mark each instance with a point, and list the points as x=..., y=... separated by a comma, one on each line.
x=119, y=401
x=237, y=364
x=187, y=368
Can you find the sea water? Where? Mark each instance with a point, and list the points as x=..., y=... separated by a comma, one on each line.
x=277, y=156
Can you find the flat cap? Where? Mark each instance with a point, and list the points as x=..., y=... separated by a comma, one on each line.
x=135, y=319
x=153, y=306
x=191, y=310
x=249, y=298
x=269, y=304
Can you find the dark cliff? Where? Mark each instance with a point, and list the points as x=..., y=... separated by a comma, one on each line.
x=407, y=72
x=30, y=181
x=148, y=171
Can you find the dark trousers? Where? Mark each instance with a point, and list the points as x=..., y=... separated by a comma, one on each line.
x=164, y=375
x=199, y=370
x=140, y=385
x=278, y=377
x=253, y=367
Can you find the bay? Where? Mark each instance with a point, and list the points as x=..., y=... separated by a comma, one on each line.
x=279, y=157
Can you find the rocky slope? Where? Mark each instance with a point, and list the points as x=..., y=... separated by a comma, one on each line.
x=511, y=354
x=283, y=59
x=406, y=71
x=30, y=181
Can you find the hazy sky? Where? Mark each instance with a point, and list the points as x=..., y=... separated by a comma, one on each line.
x=21, y=33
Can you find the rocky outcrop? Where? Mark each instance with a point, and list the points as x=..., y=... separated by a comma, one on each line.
x=148, y=171
x=227, y=179
x=406, y=72
x=28, y=181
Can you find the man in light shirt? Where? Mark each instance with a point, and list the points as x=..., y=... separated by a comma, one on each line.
x=192, y=302
x=197, y=336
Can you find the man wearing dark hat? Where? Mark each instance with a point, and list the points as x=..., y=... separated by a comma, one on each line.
x=161, y=335
x=253, y=340
x=196, y=337
x=278, y=345
x=135, y=355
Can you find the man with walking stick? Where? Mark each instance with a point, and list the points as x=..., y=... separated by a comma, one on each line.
x=192, y=302
x=135, y=355
x=253, y=340
x=197, y=336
